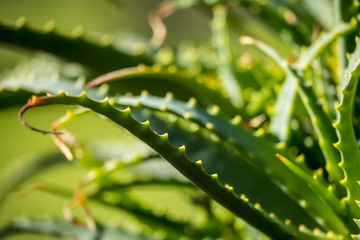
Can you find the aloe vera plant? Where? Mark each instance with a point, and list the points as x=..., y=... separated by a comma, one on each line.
x=262, y=119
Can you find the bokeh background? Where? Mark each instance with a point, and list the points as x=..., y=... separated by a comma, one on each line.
x=123, y=17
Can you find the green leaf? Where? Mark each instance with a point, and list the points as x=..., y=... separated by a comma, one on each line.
x=347, y=143
x=25, y=167
x=176, y=156
x=322, y=124
x=74, y=47
x=171, y=79
x=280, y=121
x=226, y=64
x=260, y=149
x=63, y=229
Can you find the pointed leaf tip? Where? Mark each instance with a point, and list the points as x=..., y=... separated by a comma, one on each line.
x=169, y=95
x=247, y=40
x=20, y=22
x=244, y=198
x=228, y=187
x=257, y=206
x=144, y=93
x=192, y=101
x=214, y=176
x=182, y=148
x=279, y=156
x=127, y=109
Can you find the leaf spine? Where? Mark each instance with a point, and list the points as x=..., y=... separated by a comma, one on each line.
x=146, y=123
x=214, y=176
x=144, y=93
x=213, y=110
x=302, y=203
x=107, y=39
x=156, y=67
x=192, y=101
x=20, y=22
x=182, y=148
x=259, y=132
x=82, y=94
x=257, y=206
x=49, y=26
x=228, y=187
x=236, y=120
x=141, y=67
x=169, y=96
x=164, y=107
x=126, y=110
x=209, y=126
x=316, y=231
x=302, y=227
x=244, y=198
x=172, y=68
x=137, y=103
x=187, y=115
x=78, y=31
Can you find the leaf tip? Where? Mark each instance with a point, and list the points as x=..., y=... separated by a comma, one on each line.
x=49, y=26
x=20, y=22
x=77, y=31
x=247, y=40
x=236, y=120
x=214, y=176
x=169, y=95
x=244, y=198
x=229, y=188
x=279, y=156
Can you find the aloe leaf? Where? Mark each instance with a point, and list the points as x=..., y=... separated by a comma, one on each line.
x=347, y=143
x=176, y=78
x=321, y=11
x=94, y=93
x=41, y=64
x=75, y=47
x=63, y=229
x=144, y=168
x=352, y=64
x=280, y=121
x=226, y=65
x=123, y=200
x=300, y=233
x=262, y=151
x=340, y=43
x=282, y=116
x=339, y=207
x=127, y=79
x=201, y=146
x=320, y=121
x=323, y=42
x=118, y=190
x=176, y=156
x=25, y=167
x=262, y=96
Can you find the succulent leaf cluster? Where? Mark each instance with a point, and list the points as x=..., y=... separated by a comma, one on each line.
x=262, y=118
